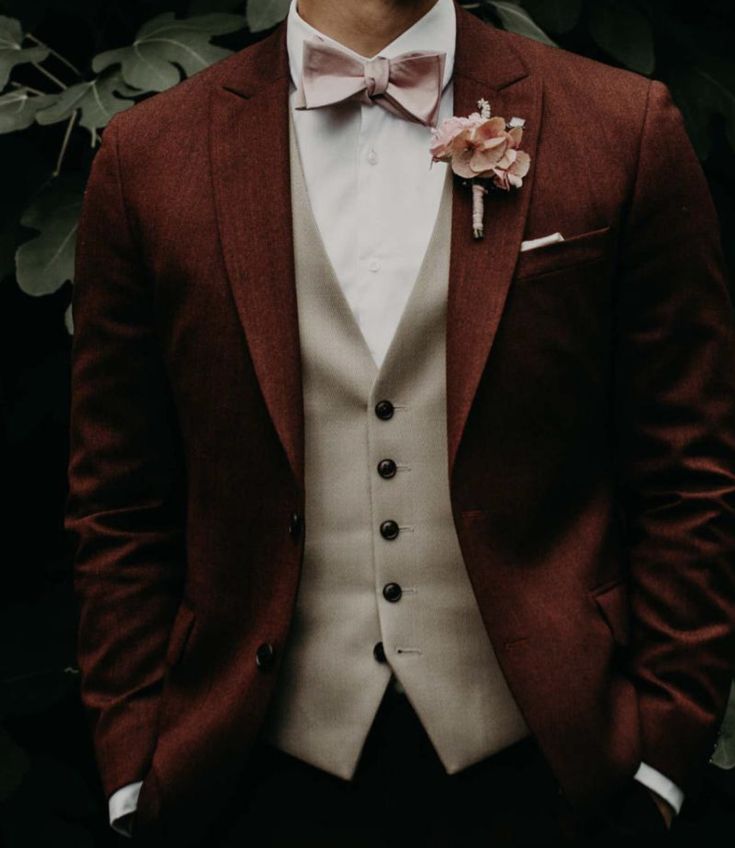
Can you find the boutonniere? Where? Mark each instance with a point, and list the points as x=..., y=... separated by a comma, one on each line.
x=484, y=150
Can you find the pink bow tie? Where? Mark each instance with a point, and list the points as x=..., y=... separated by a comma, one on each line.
x=409, y=85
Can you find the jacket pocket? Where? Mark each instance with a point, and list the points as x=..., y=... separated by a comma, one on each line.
x=180, y=634
x=612, y=602
x=582, y=249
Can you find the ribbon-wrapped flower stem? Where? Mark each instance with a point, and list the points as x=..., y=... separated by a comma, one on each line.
x=478, y=209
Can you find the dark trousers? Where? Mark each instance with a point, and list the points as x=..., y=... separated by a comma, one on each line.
x=400, y=795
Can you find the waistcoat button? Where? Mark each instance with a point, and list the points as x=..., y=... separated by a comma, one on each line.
x=379, y=652
x=384, y=409
x=387, y=468
x=294, y=525
x=264, y=656
x=389, y=529
x=392, y=592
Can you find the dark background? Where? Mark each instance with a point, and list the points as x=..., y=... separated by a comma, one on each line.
x=49, y=789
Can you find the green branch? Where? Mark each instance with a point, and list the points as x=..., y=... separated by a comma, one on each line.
x=54, y=53
x=50, y=76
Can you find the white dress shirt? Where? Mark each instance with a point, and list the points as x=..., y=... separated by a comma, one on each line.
x=372, y=188
x=375, y=200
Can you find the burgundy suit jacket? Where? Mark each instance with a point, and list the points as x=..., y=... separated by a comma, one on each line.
x=590, y=414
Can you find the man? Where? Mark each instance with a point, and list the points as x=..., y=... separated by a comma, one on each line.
x=372, y=515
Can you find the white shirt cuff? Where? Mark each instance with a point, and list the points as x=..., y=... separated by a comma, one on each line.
x=661, y=785
x=122, y=805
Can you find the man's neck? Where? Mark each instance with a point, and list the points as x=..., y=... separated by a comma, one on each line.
x=365, y=26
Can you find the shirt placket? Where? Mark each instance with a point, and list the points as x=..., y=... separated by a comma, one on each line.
x=369, y=254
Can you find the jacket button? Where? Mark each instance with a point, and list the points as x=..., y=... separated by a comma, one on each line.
x=379, y=652
x=294, y=525
x=389, y=529
x=384, y=409
x=387, y=468
x=392, y=592
x=264, y=656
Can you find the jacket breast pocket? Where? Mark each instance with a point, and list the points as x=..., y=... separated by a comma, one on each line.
x=583, y=249
x=180, y=634
x=612, y=602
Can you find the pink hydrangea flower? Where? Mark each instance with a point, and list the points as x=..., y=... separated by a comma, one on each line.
x=481, y=147
x=444, y=135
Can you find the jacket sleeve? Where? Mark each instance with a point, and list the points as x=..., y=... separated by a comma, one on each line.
x=674, y=430
x=124, y=508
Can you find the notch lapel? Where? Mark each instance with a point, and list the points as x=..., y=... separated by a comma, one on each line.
x=481, y=270
x=248, y=144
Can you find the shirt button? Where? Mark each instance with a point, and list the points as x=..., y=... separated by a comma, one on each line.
x=384, y=409
x=389, y=529
x=374, y=265
x=379, y=652
x=294, y=525
x=372, y=157
x=387, y=468
x=392, y=592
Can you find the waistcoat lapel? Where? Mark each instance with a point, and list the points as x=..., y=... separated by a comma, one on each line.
x=248, y=131
x=481, y=270
x=309, y=244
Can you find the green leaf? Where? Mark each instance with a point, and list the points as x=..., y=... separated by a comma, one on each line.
x=164, y=44
x=11, y=51
x=623, y=31
x=516, y=19
x=18, y=108
x=97, y=99
x=686, y=92
x=264, y=14
x=724, y=755
x=707, y=89
x=27, y=170
x=46, y=262
x=557, y=16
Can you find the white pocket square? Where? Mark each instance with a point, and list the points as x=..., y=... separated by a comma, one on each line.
x=532, y=244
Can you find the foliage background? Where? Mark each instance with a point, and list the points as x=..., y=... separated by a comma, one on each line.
x=49, y=790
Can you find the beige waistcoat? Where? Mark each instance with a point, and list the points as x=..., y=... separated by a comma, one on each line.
x=330, y=684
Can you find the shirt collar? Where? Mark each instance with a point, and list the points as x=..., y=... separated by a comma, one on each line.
x=436, y=30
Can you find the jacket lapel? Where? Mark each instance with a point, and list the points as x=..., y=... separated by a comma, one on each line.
x=481, y=270
x=248, y=143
